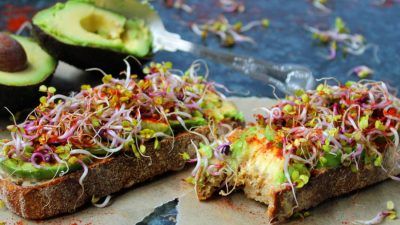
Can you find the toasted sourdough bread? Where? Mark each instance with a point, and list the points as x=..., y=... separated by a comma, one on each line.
x=65, y=195
x=309, y=147
x=323, y=185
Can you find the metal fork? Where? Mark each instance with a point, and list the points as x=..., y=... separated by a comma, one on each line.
x=286, y=77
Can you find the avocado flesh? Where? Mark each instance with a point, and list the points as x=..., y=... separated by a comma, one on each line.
x=82, y=24
x=40, y=66
x=20, y=169
x=220, y=109
x=157, y=126
x=189, y=123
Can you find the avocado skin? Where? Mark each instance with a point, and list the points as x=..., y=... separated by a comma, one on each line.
x=17, y=98
x=86, y=57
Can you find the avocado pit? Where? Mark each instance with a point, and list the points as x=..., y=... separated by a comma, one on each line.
x=31, y=67
x=13, y=57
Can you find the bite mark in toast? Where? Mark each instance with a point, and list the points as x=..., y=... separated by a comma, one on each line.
x=308, y=148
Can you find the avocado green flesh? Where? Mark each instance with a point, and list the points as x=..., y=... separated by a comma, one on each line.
x=219, y=109
x=194, y=122
x=161, y=127
x=20, y=169
x=40, y=66
x=155, y=125
x=83, y=24
x=251, y=159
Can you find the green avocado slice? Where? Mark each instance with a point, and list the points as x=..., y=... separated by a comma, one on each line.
x=220, y=109
x=193, y=122
x=83, y=24
x=21, y=169
x=158, y=126
x=40, y=66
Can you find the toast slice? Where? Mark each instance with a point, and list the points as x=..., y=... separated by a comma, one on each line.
x=302, y=153
x=325, y=184
x=96, y=142
x=106, y=176
x=281, y=200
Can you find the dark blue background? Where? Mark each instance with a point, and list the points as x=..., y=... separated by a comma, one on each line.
x=285, y=41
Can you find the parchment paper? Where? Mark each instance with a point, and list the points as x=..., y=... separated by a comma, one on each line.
x=134, y=205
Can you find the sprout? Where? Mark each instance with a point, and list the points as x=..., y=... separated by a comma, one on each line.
x=103, y=204
x=185, y=156
x=43, y=88
x=232, y=6
x=378, y=219
x=340, y=38
x=229, y=34
x=362, y=71
x=51, y=90
x=321, y=5
x=390, y=205
x=84, y=174
x=108, y=119
x=178, y=4
x=265, y=23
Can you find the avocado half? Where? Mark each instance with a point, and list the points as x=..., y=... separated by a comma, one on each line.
x=87, y=36
x=19, y=89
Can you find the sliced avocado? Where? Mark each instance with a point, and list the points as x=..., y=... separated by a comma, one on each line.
x=156, y=126
x=189, y=123
x=220, y=109
x=23, y=85
x=229, y=110
x=20, y=169
x=86, y=36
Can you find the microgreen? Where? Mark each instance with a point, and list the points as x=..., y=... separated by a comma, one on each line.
x=229, y=34
x=340, y=38
x=111, y=117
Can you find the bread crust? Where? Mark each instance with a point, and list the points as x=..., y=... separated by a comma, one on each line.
x=65, y=195
x=323, y=185
x=329, y=183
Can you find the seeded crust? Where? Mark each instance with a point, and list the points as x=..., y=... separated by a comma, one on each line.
x=64, y=194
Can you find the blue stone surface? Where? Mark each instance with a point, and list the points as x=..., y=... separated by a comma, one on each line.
x=285, y=41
